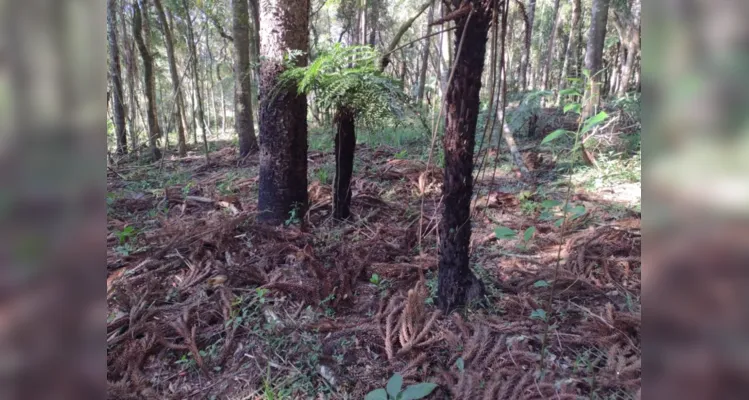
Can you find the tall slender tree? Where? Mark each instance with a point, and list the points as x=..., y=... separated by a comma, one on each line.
x=118, y=108
x=569, y=69
x=243, y=118
x=140, y=29
x=191, y=40
x=550, y=50
x=178, y=109
x=627, y=23
x=526, y=57
x=284, y=30
x=425, y=57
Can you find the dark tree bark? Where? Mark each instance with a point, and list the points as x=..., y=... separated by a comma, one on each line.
x=457, y=284
x=243, y=118
x=526, y=57
x=345, y=146
x=150, y=81
x=283, y=112
x=179, y=109
x=118, y=108
x=594, y=54
x=196, y=78
x=374, y=21
x=131, y=64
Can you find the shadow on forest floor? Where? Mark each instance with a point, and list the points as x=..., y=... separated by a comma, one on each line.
x=205, y=303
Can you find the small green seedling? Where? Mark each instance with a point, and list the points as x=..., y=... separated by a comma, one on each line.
x=375, y=279
x=392, y=390
x=125, y=234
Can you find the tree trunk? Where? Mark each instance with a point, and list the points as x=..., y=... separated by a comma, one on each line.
x=425, y=58
x=550, y=51
x=150, y=83
x=177, y=92
x=345, y=146
x=628, y=67
x=457, y=284
x=618, y=61
x=194, y=57
x=243, y=119
x=118, y=108
x=374, y=21
x=525, y=59
x=223, y=98
x=594, y=54
x=132, y=72
x=283, y=113
x=569, y=70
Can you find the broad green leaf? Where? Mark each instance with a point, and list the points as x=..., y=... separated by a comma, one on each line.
x=418, y=391
x=569, y=92
x=379, y=394
x=553, y=135
x=528, y=235
x=572, y=107
x=538, y=314
x=593, y=121
x=460, y=364
x=504, y=232
x=394, y=385
x=541, y=283
x=550, y=203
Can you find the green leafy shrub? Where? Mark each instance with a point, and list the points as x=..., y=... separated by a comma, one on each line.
x=394, y=390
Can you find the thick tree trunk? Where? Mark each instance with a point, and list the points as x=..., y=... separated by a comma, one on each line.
x=594, y=54
x=283, y=113
x=194, y=57
x=425, y=58
x=345, y=146
x=118, y=108
x=374, y=21
x=457, y=284
x=525, y=59
x=628, y=67
x=243, y=118
x=150, y=82
x=177, y=92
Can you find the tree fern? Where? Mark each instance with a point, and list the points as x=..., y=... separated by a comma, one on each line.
x=347, y=77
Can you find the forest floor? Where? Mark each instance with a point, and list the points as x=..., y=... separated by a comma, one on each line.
x=206, y=304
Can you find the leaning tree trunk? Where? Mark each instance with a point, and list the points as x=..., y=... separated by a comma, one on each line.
x=118, y=108
x=177, y=92
x=457, y=284
x=283, y=113
x=345, y=146
x=243, y=119
x=150, y=81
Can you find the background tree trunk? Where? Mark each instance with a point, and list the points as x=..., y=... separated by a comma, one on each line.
x=569, y=69
x=457, y=284
x=283, y=113
x=526, y=57
x=552, y=41
x=118, y=108
x=194, y=57
x=150, y=81
x=177, y=92
x=243, y=119
x=425, y=58
x=345, y=147
x=594, y=54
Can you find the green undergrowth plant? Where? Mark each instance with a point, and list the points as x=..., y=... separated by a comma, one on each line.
x=394, y=390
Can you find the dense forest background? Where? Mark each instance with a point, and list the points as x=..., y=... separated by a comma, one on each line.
x=317, y=199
